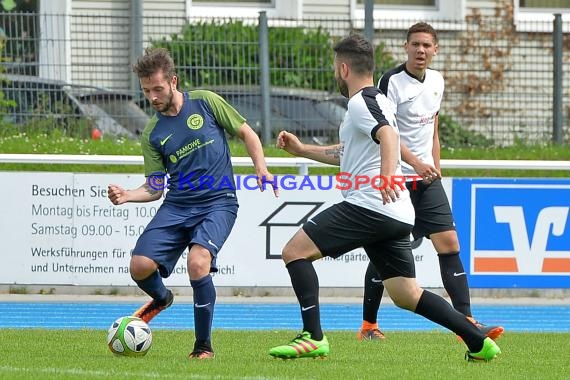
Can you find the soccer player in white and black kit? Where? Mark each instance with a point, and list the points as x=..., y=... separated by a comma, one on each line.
x=376, y=217
x=416, y=92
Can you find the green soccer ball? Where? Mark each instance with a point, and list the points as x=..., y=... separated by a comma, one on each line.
x=129, y=336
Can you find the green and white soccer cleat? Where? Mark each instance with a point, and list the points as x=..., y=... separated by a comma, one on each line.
x=489, y=351
x=302, y=347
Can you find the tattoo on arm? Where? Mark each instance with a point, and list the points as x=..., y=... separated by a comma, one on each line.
x=150, y=190
x=334, y=152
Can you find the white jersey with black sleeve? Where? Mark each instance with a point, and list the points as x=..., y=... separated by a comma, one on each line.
x=417, y=105
x=360, y=162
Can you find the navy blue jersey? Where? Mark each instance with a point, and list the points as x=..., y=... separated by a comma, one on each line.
x=191, y=148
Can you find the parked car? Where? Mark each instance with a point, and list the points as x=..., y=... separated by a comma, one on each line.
x=314, y=116
x=116, y=112
x=35, y=99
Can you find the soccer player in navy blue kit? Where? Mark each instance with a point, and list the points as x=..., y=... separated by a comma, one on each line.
x=377, y=218
x=417, y=92
x=186, y=140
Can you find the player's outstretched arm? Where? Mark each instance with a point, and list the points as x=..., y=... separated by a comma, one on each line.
x=291, y=144
x=145, y=193
x=255, y=151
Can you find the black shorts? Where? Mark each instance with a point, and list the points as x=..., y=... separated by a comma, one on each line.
x=433, y=213
x=344, y=227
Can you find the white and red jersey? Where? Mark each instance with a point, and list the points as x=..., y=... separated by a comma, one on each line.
x=368, y=110
x=417, y=105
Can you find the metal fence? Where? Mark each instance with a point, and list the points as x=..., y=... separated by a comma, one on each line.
x=500, y=79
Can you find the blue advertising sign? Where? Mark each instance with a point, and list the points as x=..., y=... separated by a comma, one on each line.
x=514, y=233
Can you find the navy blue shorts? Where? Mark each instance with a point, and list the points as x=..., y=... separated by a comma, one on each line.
x=175, y=228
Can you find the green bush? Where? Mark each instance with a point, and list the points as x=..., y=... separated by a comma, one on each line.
x=6, y=105
x=453, y=136
x=223, y=53
x=216, y=53
x=384, y=60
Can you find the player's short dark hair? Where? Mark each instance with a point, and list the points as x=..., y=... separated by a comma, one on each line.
x=358, y=51
x=154, y=60
x=422, y=27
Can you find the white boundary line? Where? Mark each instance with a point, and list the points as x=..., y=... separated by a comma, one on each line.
x=106, y=374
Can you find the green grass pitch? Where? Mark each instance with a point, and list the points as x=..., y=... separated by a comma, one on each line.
x=83, y=354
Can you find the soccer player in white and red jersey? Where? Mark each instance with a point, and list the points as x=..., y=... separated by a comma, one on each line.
x=417, y=92
x=377, y=218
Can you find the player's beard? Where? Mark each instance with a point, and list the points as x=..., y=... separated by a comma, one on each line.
x=342, y=87
x=167, y=104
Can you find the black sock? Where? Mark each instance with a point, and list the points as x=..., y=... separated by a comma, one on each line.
x=373, y=290
x=204, y=301
x=455, y=282
x=306, y=285
x=153, y=286
x=438, y=310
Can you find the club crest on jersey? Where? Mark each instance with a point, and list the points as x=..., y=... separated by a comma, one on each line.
x=195, y=121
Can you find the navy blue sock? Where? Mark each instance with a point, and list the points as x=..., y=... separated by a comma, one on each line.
x=455, y=282
x=153, y=286
x=204, y=301
x=306, y=286
x=373, y=290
